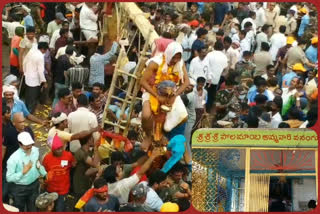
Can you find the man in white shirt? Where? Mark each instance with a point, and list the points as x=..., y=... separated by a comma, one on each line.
x=218, y=61
x=261, y=16
x=252, y=19
x=81, y=120
x=277, y=40
x=263, y=36
x=55, y=24
x=276, y=106
x=120, y=186
x=11, y=26
x=88, y=21
x=56, y=35
x=198, y=65
x=33, y=67
x=186, y=44
x=244, y=43
x=250, y=36
x=232, y=52
x=157, y=181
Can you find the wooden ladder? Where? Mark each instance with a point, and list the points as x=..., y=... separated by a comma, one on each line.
x=122, y=126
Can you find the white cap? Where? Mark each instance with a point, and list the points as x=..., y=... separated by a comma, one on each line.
x=25, y=138
x=192, y=82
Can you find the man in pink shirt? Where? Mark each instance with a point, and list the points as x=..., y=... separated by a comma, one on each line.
x=65, y=102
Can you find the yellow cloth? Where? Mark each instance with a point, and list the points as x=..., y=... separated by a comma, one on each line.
x=161, y=76
x=298, y=67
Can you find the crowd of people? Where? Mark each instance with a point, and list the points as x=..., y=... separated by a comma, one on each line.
x=241, y=65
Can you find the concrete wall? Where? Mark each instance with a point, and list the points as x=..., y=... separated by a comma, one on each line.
x=303, y=190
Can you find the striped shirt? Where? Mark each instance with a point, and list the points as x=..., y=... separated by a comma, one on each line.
x=98, y=113
x=77, y=74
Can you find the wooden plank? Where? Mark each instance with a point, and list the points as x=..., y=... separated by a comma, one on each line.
x=143, y=24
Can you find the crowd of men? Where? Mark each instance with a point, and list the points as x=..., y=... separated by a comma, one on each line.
x=250, y=65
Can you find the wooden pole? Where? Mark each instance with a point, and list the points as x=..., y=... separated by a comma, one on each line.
x=247, y=182
x=137, y=16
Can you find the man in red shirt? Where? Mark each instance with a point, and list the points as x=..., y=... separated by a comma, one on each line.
x=58, y=164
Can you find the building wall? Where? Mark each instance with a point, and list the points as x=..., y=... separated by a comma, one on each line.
x=303, y=190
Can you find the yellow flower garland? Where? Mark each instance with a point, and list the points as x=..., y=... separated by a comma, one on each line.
x=160, y=76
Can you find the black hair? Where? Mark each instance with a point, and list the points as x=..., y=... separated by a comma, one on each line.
x=218, y=46
x=261, y=82
x=83, y=100
x=69, y=50
x=201, y=80
x=273, y=81
x=132, y=135
x=246, y=53
x=76, y=85
x=294, y=113
x=178, y=167
x=227, y=39
x=183, y=204
x=256, y=79
x=260, y=99
x=30, y=30
x=265, y=46
x=282, y=29
x=247, y=24
x=201, y=31
x=100, y=49
x=138, y=107
x=174, y=16
x=63, y=92
x=57, y=114
x=265, y=27
x=269, y=66
x=137, y=154
x=93, y=97
x=252, y=121
x=63, y=31
x=283, y=125
x=110, y=174
x=252, y=14
x=312, y=204
x=70, y=41
x=43, y=45
x=84, y=141
x=244, y=106
x=278, y=101
x=220, y=32
x=65, y=22
x=195, y=4
x=255, y=111
x=243, y=32
x=166, y=35
x=99, y=182
x=312, y=116
x=99, y=85
x=185, y=100
x=116, y=156
x=301, y=41
x=156, y=177
x=5, y=109
x=230, y=81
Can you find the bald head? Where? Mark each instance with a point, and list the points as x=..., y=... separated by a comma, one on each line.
x=18, y=121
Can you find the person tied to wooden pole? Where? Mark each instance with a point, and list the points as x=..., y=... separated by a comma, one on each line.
x=168, y=66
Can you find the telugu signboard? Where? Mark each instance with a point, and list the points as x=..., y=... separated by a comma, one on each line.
x=296, y=138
